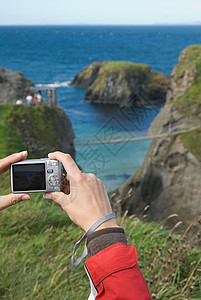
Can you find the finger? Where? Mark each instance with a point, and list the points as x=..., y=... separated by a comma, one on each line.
x=11, y=199
x=67, y=161
x=65, y=188
x=7, y=161
x=58, y=197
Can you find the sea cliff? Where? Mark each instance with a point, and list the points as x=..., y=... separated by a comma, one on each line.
x=169, y=180
x=13, y=86
x=117, y=82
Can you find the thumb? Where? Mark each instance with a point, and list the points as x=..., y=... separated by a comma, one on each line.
x=11, y=199
x=59, y=197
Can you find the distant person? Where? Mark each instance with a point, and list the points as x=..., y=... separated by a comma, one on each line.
x=112, y=265
x=35, y=99
x=39, y=98
x=170, y=127
x=29, y=99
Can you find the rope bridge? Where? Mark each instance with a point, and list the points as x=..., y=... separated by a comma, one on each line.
x=150, y=137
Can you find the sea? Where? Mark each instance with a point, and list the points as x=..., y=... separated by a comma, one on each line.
x=53, y=55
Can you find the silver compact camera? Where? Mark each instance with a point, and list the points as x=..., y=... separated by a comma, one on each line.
x=36, y=175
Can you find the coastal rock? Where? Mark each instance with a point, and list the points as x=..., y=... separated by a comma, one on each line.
x=42, y=129
x=169, y=180
x=183, y=76
x=87, y=76
x=13, y=86
x=123, y=83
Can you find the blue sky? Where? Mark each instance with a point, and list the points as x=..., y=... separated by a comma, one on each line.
x=125, y=12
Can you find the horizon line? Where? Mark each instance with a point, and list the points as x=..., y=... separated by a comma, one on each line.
x=85, y=24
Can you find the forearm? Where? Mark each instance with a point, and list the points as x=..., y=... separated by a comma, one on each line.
x=104, y=238
x=112, y=267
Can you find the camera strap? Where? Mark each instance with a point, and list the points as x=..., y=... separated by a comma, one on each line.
x=85, y=236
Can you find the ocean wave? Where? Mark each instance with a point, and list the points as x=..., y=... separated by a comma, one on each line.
x=77, y=112
x=55, y=84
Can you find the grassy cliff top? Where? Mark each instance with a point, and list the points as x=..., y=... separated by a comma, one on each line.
x=119, y=65
x=23, y=127
x=190, y=63
x=90, y=73
x=189, y=57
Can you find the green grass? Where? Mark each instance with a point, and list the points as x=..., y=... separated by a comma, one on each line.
x=10, y=140
x=190, y=102
x=37, y=239
x=192, y=141
x=119, y=65
x=23, y=127
x=36, y=243
x=190, y=56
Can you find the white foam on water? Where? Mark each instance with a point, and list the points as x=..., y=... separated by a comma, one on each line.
x=55, y=84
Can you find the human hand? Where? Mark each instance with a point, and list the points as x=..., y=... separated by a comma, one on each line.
x=8, y=200
x=86, y=200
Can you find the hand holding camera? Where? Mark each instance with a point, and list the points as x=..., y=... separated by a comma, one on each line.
x=83, y=196
x=86, y=200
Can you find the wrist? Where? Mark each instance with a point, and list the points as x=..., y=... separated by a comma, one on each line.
x=108, y=224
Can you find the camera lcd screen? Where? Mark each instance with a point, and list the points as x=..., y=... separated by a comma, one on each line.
x=29, y=177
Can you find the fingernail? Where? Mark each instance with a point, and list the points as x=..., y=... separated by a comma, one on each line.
x=26, y=197
x=23, y=153
x=50, y=153
x=47, y=196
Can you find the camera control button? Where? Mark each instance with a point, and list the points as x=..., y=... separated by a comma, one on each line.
x=53, y=163
x=53, y=180
x=49, y=171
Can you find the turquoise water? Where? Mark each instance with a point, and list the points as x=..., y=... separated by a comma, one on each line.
x=55, y=54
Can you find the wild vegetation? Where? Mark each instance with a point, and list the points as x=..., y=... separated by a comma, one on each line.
x=37, y=238
x=23, y=127
x=119, y=65
x=36, y=242
x=192, y=141
x=190, y=61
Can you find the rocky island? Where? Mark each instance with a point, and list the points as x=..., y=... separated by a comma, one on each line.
x=169, y=180
x=117, y=82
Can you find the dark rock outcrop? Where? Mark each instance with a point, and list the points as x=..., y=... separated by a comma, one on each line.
x=119, y=82
x=13, y=86
x=169, y=179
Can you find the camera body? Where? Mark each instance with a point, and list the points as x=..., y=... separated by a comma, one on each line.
x=36, y=175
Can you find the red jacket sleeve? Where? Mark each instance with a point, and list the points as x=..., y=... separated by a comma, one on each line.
x=115, y=274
